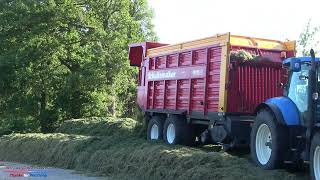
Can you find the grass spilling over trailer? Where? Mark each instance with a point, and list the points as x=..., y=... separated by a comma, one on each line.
x=112, y=147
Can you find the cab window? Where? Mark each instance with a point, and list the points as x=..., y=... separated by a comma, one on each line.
x=298, y=89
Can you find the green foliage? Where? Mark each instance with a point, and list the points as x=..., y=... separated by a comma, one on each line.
x=307, y=39
x=64, y=59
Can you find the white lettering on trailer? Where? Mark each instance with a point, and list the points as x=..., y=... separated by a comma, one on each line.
x=197, y=72
x=161, y=75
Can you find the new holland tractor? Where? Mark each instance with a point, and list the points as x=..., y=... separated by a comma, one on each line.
x=287, y=129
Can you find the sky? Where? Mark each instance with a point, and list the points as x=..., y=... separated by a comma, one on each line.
x=182, y=20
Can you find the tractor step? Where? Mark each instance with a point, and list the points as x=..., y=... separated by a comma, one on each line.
x=288, y=162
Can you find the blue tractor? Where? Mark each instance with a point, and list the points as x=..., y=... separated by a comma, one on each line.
x=287, y=129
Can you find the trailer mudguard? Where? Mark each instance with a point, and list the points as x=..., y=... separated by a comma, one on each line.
x=284, y=109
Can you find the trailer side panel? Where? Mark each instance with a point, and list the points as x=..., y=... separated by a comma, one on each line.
x=187, y=80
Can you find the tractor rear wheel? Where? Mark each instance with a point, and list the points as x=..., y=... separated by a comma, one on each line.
x=315, y=157
x=268, y=141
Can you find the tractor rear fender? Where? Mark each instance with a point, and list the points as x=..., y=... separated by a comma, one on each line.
x=283, y=108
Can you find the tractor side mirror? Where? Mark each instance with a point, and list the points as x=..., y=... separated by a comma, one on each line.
x=282, y=85
x=315, y=96
x=303, y=77
x=295, y=65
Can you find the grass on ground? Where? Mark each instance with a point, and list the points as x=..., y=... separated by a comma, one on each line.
x=113, y=147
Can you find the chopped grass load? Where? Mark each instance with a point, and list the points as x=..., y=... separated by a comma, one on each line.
x=112, y=147
x=243, y=56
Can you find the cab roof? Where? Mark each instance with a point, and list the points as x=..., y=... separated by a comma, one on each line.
x=302, y=59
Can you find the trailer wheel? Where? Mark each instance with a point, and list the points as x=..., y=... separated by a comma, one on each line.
x=155, y=128
x=315, y=157
x=177, y=131
x=267, y=141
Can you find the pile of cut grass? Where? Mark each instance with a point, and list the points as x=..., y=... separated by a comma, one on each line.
x=242, y=55
x=99, y=126
x=117, y=152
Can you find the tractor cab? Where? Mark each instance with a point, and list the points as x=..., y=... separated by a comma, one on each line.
x=297, y=88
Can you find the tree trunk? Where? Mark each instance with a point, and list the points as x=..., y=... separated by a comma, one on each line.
x=76, y=104
x=44, y=125
x=76, y=97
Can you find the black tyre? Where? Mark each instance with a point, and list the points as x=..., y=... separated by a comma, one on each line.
x=268, y=141
x=155, y=128
x=315, y=157
x=177, y=131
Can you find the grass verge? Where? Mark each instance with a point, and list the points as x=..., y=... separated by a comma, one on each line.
x=112, y=147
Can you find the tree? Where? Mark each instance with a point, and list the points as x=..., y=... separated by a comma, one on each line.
x=307, y=39
x=59, y=59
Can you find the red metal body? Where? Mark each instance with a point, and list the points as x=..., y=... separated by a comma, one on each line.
x=251, y=83
x=137, y=51
x=184, y=80
x=189, y=80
